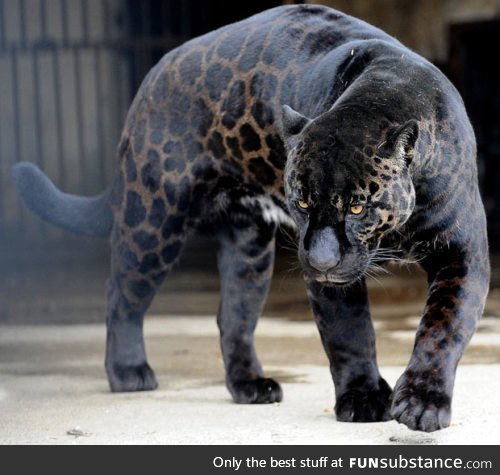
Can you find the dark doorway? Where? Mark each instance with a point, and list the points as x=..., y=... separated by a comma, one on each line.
x=475, y=72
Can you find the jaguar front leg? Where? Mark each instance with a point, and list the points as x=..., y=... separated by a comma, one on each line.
x=458, y=278
x=245, y=259
x=347, y=333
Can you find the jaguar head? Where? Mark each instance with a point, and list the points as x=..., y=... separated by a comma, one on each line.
x=347, y=185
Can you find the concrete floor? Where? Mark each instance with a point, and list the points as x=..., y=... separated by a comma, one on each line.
x=53, y=388
x=52, y=385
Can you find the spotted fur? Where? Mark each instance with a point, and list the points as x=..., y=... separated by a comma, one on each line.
x=228, y=133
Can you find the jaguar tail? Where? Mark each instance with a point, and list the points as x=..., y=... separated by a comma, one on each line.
x=85, y=216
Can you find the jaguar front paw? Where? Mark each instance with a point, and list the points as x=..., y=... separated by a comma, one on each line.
x=124, y=378
x=361, y=405
x=256, y=391
x=420, y=408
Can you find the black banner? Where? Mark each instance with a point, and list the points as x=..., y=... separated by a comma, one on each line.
x=267, y=459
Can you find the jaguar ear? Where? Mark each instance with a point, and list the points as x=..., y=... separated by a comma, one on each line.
x=402, y=140
x=291, y=123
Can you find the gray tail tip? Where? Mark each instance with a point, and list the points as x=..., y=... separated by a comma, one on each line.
x=23, y=172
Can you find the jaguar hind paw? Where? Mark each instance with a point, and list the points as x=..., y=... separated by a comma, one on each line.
x=131, y=378
x=257, y=391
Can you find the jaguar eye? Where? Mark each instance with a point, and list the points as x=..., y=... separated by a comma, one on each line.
x=356, y=209
x=302, y=204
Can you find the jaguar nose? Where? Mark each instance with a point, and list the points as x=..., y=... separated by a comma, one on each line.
x=324, y=253
x=323, y=263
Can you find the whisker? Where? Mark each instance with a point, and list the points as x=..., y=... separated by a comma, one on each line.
x=288, y=237
x=371, y=276
x=378, y=268
x=386, y=254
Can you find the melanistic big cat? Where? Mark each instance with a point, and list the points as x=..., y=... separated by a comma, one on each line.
x=305, y=116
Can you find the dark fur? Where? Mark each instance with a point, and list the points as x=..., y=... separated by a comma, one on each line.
x=208, y=145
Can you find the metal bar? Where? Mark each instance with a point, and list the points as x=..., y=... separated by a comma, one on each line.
x=106, y=20
x=38, y=123
x=38, y=110
x=105, y=160
x=59, y=124
x=146, y=18
x=64, y=17
x=22, y=20
x=43, y=19
x=80, y=132
x=2, y=193
x=15, y=100
x=167, y=42
x=99, y=118
x=145, y=54
x=17, y=127
x=186, y=18
x=2, y=26
x=135, y=67
x=120, y=91
x=165, y=16
x=2, y=48
x=2, y=188
x=85, y=21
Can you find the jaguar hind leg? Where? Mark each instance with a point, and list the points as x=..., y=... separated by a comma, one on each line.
x=245, y=260
x=140, y=261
